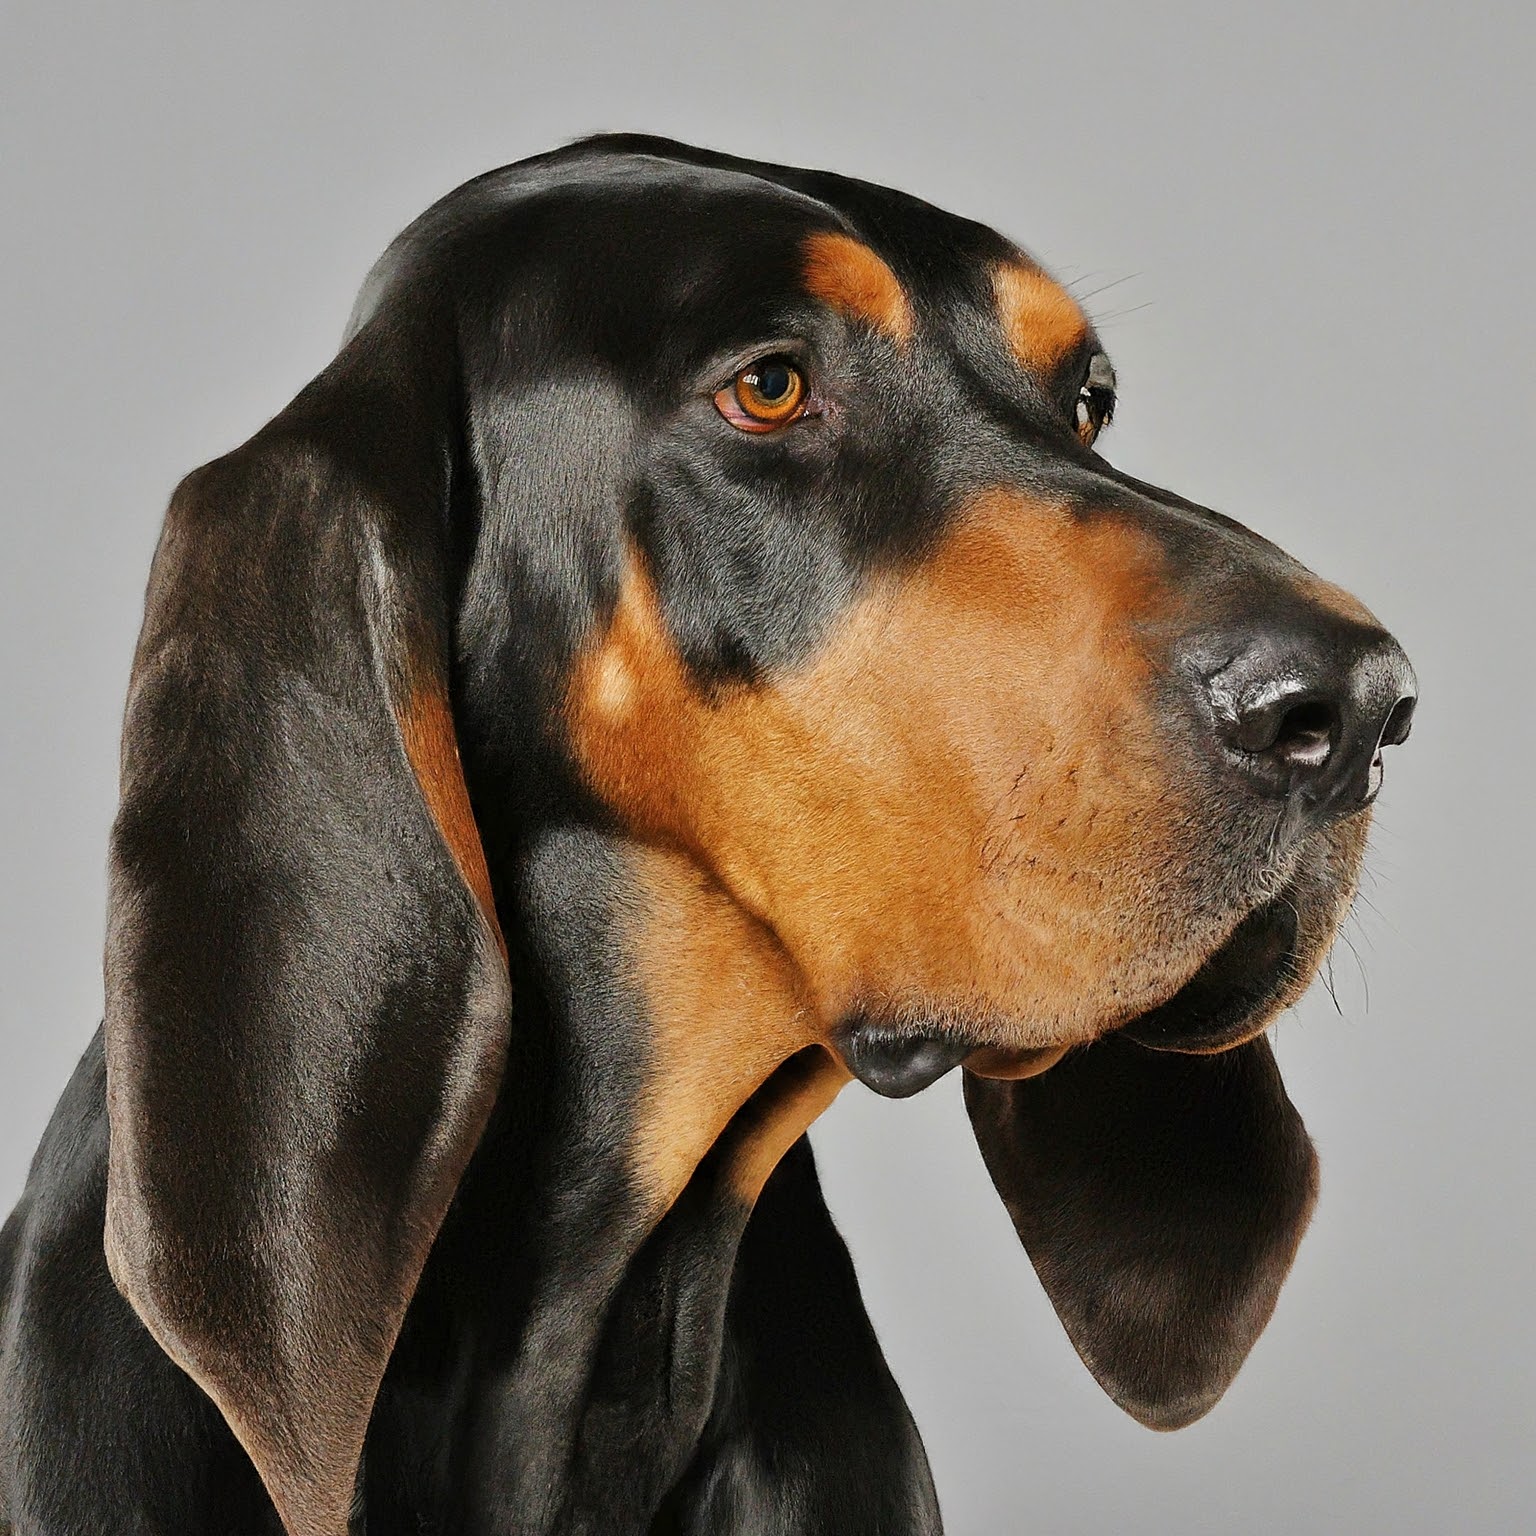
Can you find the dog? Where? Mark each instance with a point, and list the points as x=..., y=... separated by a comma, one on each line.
x=686, y=652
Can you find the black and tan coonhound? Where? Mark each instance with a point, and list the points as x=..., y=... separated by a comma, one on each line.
x=684, y=652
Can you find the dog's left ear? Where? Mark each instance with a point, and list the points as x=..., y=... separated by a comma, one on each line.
x=1161, y=1198
x=307, y=1008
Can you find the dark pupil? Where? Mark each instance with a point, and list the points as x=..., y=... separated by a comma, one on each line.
x=772, y=380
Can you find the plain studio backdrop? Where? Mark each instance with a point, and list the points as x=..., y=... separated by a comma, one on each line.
x=1307, y=234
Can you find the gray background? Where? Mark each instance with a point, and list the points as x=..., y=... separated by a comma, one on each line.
x=1320, y=227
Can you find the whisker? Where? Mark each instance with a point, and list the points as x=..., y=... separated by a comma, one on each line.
x=1365, y=980
x=1120, y=314
x=1377, y=913
x=1353, y=924
x=1093, y=293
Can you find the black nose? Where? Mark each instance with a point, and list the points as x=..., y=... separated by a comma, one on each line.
x=1302, y=709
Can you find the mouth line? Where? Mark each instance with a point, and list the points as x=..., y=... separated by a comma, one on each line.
x=1229, y=999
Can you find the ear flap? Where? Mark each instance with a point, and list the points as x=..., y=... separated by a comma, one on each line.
x=1161, y=1198
x=307, y=1002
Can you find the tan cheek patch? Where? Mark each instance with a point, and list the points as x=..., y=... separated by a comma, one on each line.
x=432, y=749
x=1033, y=807
x=847, y=275
x=634, y=719
x=726, y=1010
x=955, y=810
x=1040, y=319
x=793, y=1099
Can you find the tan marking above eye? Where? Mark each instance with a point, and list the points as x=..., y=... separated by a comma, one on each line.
x=1041, y=320
x=846, y=274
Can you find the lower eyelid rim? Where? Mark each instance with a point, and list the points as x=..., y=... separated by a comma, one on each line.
x=730, y=409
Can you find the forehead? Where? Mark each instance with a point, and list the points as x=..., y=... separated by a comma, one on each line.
x=697, y=242
x=1040, y=321
x=891, y=258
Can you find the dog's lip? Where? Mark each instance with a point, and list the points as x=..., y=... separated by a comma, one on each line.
x=1011, y=1065
x=1228, y=1000
x=897, y=1063
x=1232, y=996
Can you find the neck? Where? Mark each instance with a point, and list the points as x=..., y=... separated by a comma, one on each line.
x=664, y=1059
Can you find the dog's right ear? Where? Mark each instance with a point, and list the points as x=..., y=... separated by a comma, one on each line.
x=307, y=998
x=1160, y=1198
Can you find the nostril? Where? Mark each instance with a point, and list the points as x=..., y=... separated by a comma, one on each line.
x=1304, y=713
x=1300, y=733
x=1306, y=734
x=1395, y=732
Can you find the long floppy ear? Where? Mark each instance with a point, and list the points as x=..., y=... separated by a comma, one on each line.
x=307, y=1000
x=1161, y=1198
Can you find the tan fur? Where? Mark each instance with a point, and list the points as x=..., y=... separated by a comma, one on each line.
x=792, y=1109
x=846, y=274
x=1041, y=320
x=1334, y=599
x=726, y=1008
x=957, y=810
x=432, y=749
x=1013, y=1066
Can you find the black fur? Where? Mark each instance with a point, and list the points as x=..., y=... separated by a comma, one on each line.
x=525, y=387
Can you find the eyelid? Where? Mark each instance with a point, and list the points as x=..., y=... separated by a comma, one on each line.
x=791, y=348
x=1101, y=373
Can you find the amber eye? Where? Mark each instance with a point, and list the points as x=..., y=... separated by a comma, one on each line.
x=1095, y=406
x=766, y=394
x=1092, y=414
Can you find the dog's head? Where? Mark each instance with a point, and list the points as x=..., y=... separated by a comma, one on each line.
x=757, y=517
